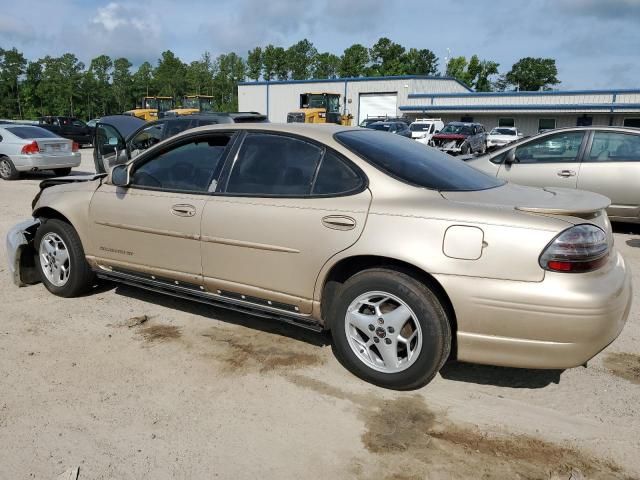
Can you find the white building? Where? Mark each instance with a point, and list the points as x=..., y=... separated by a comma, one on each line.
x=446, y=98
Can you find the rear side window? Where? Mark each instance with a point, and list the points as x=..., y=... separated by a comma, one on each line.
x=415, y=164
x=614, y=147
x=31, y=132
x=274, y=165
x=335, y=177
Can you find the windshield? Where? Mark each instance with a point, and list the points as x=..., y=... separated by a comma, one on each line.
x=316, y=101
x=191, y=103
x=415, y=164
x=419, y=127
x=379, y=126
x=503, y=131
x=31, y=132
x=150, y=103
x=459, y=129
x=165, y=104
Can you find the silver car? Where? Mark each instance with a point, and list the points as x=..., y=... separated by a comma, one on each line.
x=27, y=148
x=604, y=160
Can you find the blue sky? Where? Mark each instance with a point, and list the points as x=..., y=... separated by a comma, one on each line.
x=596, y=42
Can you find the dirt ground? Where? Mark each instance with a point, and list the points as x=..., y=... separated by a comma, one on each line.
x=126, y=384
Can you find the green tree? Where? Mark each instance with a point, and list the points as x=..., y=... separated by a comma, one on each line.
x=325, y=65
x=12, y=66
x=33, y=102
x=170, y=75
x=143, y=82
x=420, y=62
x=254, y=63
x=122, y=85
x=354, y=61
x=229, y=69
x=475, y=73
x=387, y=58
x=199, y=76
x=100, y=69
x=533, y=74
x=275, y=63
x=300, y=57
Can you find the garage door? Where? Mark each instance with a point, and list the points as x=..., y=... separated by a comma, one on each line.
x=377, y=105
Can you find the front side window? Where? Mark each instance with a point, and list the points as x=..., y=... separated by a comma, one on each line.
x=412, y=163
x=274, y=165
x=146, y=138
x=191, y=167
x=614, y=147
x=558, y=148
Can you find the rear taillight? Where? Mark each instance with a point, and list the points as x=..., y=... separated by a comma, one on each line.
x=75, y=147
x=581, y=248
x=30, y=148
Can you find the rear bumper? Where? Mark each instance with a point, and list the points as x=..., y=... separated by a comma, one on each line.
x=561, y=322
x=20, y=253
x=43, y=161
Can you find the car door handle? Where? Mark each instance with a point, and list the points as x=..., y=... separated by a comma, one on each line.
x=183, y=210
x=566, y=173
x=338, y=222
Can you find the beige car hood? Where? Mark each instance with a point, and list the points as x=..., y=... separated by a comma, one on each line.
x=548, y=200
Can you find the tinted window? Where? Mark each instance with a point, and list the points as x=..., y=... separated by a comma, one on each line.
x=146, y=138
x=419, y=127
x=190, y=167
x=379, y=126
x=274, y=165
x=31, y=132
x=415, y=164
x=335, y=177
x=560, y=147
x=614, y=147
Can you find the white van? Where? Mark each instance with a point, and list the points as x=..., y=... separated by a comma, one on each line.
x=423, y=129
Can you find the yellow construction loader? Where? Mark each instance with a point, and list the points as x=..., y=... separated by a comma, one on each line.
x=152, y=108
x=319, y=108
x=194, y=104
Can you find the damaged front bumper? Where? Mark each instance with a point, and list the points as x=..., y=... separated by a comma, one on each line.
x=21, y=253
x=448, y=146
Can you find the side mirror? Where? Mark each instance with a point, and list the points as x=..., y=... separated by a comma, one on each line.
x=510, y=157
x=120, y=176
x=113, y=141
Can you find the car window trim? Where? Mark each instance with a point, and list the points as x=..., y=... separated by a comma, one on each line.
x=231, y=159
x=139, y=161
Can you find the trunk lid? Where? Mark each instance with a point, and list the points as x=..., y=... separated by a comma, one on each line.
x=544, y=201
x=54, y=146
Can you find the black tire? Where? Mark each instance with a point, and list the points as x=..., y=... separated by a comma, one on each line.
x=8, y=170
x=483, y=150
x=436, y=341
x=62, y=172
x=464, y=149
x=81, y=277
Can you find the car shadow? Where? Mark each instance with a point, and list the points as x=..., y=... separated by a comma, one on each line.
x=499, y=376
x=228, y=316
x=45, y=174
x=626, y=228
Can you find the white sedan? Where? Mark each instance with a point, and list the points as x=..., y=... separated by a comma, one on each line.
x=27, y=148
x=501, y=136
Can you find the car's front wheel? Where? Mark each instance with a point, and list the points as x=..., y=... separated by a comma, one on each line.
x=390, y=329
x=60, y=259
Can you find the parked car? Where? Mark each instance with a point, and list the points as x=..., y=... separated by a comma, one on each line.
x=461, y=138
x=68, y=127
x=369, y=120
x=399, y=128
x=501, y=136
x=402, y=252
x=424, y=128
x=119, y=138
x=28, y=148
x=605, y=160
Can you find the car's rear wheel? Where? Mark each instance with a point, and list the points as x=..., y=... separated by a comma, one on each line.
x=390, y=329
x=62, y=172
x=483, y=148
x=7, y=169
x=61, y=261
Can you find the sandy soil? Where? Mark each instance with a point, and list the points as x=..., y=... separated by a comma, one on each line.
x=128, y=384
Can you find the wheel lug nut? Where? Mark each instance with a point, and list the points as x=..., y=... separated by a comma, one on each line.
x=371, y=327
x=387, y=341
x=376, y=339
x=381, y=321
x=391, y=329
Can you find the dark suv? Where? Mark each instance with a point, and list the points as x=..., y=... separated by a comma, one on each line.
x=68, y=127
x=461, y=138
x=122, y=137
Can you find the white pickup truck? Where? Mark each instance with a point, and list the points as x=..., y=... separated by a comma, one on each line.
x=422, y=129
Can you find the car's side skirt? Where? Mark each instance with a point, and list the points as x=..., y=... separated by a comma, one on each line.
x=227, y=300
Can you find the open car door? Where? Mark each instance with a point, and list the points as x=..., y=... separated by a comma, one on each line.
x=109, y=146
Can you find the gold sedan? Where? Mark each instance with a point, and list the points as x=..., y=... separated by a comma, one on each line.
x=407, y=255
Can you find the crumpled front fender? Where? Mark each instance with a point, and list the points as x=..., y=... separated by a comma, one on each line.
x=21, y=253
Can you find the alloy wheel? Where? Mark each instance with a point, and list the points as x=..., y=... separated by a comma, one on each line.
x=54, y=259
